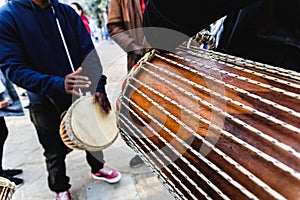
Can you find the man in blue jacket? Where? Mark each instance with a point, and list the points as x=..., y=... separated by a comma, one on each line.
x=34, y=56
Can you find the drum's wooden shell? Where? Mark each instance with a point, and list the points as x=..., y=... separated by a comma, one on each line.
x=7, y=188
x=65, y=137
x=85, y=127
x=210, y=140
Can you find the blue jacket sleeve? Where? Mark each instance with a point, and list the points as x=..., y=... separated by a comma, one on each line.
x=13, y=64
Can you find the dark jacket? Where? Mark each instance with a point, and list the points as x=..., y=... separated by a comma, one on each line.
x=125, y=22
x=32, y=53
x=264, y=30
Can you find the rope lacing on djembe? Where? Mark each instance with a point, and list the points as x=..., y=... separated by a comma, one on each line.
x=218, y=170
x=218, y=129
x=225, y=58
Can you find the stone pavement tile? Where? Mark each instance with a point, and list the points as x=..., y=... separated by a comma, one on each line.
x=118, y=155
x=150, y=188
x=124, y=190
x=35, y=184
x=22, y=150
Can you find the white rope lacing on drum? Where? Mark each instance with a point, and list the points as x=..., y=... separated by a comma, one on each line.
x=244, y=62
x=242, y=169
x=4, y=193
x=270, y=87
x=178, y=154
x=161, y=176
x=237, y=61
x=7, y=191
x=240, y=63
x=262, y=154
x=231, y=161
x=266, y=116
x=274, y=141
x=249, y=127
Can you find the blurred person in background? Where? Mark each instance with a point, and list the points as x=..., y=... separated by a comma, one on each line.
x=78, y=8
x=10, y=105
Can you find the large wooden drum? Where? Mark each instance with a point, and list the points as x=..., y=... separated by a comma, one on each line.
x=214, y=126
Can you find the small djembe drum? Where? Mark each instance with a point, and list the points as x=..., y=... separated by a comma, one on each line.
x=85, y=127
x=214, y=126
x=7, y=188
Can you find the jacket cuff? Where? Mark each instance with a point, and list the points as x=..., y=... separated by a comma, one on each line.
x=101, y=84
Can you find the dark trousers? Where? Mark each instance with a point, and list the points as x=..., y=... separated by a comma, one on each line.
x=3, y=136
x=46, y=120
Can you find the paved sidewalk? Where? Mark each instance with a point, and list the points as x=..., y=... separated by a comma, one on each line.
x=22, y=150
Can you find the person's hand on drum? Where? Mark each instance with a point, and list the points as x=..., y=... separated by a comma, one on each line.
x=102, y=99
x=74, y=81
x=135, y=55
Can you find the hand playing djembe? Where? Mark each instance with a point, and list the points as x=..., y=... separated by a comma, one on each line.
x=74, y=82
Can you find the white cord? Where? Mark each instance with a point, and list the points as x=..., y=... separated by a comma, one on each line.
x=64, y=41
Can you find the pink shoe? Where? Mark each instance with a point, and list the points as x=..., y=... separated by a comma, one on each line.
x=63, y=195
x=108, y=175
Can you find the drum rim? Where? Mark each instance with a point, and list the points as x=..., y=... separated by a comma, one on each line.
x=79, y=143
x=7, y=183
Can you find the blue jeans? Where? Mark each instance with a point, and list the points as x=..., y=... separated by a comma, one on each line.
x=46, y=119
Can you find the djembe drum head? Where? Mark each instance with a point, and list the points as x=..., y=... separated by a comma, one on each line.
x=86, y=127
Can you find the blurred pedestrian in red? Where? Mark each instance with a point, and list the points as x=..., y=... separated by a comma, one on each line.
x=78, y=8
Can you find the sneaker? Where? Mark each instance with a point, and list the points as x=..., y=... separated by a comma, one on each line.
x=108, y=175
x=18, y=181
x=12, y=172
x=135, y=162
x=63, y=195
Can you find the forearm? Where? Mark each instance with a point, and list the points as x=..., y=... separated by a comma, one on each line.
x=36, y=82
x=121, y=36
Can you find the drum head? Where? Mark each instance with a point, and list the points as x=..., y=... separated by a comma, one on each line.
x=91, y=126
